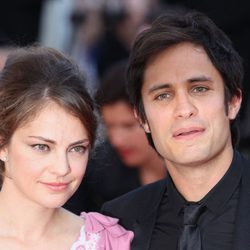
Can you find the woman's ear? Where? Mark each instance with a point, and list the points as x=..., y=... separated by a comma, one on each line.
x=144, y=124
x=234, y=106
x=3, y=150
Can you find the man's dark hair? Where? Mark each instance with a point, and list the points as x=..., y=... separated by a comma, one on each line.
x=172, y=29
x=113, y=86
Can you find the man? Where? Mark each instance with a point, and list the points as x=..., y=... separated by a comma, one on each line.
x=125, y=160
x=184, y=80
x=124, y=133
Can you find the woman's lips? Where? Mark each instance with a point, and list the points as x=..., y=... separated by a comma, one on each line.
x=56, y=186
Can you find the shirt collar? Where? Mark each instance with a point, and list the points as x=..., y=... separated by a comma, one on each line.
x=177, y=201
x=218, y=196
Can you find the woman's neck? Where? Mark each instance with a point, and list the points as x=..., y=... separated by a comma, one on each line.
x=22, y=218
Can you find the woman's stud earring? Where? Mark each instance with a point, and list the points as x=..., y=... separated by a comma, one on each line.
x=5, y=158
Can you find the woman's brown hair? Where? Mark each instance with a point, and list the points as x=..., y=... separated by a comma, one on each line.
x=32, y=77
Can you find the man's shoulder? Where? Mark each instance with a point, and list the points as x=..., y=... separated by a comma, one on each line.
x=136, y=201
x=245, y=159
x=142, y=194
x=245, y=162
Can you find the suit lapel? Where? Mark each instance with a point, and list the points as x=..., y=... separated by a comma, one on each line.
x=143, y=230
x=242, y=232
x=144, y=225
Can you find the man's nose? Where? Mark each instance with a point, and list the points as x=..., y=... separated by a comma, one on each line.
x=117, y=137
x=184, y=106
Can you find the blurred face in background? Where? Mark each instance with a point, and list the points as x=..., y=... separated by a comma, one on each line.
x=3, y=56
x=125, y=134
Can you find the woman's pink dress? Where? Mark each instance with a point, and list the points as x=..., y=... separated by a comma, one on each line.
x=101, y=232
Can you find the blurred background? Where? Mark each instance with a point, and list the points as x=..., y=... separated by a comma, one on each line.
x=99, y=34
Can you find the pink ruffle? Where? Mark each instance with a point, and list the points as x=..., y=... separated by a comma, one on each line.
x=112, y=235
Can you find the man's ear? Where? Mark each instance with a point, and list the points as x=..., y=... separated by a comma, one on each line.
x=234, y=105
x=144, y=124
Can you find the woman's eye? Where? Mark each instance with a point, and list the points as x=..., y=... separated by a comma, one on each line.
x=41, y=147
x=78, y=149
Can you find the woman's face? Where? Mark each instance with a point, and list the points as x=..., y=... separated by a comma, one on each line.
x=46, y=158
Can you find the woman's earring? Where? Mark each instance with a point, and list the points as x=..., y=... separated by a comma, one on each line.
x=5, y=158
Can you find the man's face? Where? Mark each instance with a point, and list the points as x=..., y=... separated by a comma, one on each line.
x=125, y=134
x=183, y=97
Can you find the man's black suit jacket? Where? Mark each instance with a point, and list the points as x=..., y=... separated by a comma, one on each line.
x=137, y=211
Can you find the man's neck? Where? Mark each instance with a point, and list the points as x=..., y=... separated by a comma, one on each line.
x=194, y=181
x=152, y=170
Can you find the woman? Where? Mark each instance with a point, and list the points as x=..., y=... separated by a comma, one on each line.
x=47, y=130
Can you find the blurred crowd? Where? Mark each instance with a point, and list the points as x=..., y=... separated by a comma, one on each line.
x=98, y=34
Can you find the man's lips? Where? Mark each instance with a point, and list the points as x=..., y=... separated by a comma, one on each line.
x=188, y=132
x=125, y=152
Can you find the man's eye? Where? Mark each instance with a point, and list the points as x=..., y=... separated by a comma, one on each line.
x=200, y=89
x=131, y=125
x=163, y=96
x=41, y=147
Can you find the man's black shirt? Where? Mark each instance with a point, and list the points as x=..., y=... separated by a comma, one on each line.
x=216, y=223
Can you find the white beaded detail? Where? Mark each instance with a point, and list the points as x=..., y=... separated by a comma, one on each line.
x=86, y=244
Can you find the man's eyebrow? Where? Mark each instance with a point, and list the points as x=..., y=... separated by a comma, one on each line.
x=199, y=79
x=158, y=87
